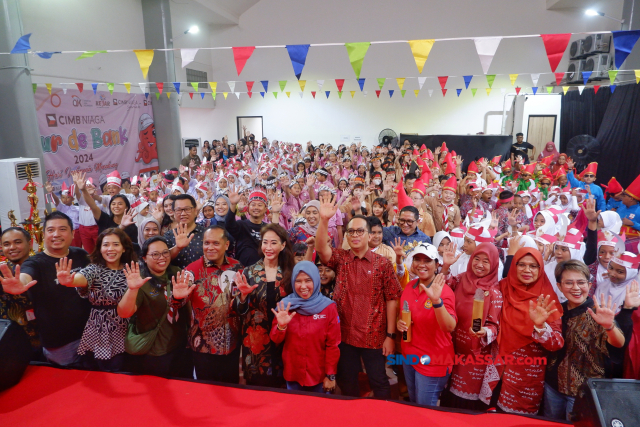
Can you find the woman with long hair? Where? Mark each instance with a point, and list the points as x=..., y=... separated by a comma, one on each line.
x=168, y=219
x=261, y=287
x=104, y=283
x=379, y=210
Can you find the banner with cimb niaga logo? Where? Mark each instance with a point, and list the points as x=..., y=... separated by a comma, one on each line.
x=95, y=133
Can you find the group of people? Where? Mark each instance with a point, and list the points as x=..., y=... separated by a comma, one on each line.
x=510, y=283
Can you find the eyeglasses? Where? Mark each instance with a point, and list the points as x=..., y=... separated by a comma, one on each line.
x=589, y=175
x=356, y=233
x=181, y=210
x=531, y=267
x=158, y=255
x=544, y=184
x=406, y=221
x=580, y=283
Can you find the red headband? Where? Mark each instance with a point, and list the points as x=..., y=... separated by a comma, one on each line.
x=502, y=202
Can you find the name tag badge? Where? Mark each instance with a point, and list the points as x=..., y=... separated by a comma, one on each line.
x=428, y=304
x=30, y=315
x=632, y=216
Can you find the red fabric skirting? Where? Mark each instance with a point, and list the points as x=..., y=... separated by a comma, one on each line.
x=58, y=397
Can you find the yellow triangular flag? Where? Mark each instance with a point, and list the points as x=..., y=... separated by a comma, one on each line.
x=488, y=91
x=302, y=84
x=48, y=87
x=565, y=89
x=288, y=94
x=213, y=86
x=513, y=78
x=353, y=92
x=168, y=95
x=416, y=92
x=637, y=76
x=145, y=57
x=128, y=86
x=225, y=94
x=420, y=50
x=400, y=83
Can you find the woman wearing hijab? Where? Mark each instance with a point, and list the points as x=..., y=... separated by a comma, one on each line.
x=441, y=240
x=622, y=270
x=206, y=216
x=560, y=164
x=530, y=325
x=549, y=150
x=300, y=233
x=148, y=228
x=480, y=278
x=610, y=221
x=308, y=323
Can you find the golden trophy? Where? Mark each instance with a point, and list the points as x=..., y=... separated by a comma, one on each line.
x=33, y=224
x=12, y=218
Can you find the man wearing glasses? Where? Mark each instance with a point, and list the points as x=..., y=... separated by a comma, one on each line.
x=186, y=239
x=406, y=230
x=366, y=294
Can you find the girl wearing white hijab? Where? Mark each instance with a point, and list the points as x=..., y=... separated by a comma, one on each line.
x=622, y=270
x=440, y=241
x=610, y=221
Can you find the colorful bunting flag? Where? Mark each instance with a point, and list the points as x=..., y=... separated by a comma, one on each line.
x=340, y=94
x=283, y=84
x=265, y=85
x=201, y=95
x=312, y=94
x=378, y=93
x=302, y=84
x=361, y=84
x=637, y=76
x=612, y=75
x=595, y=89
x=48, y=85
x=262, y=94
x=444, y=92
x=365, y=93
x=46, y=55
x=232, y=86
x=430, y=92
x=301, y=93
x=339, y=84
x=143, y=87
x=549, y=89
x=459, y=91
x=490, y=79
x=157, y=96
x=187, y=55
x=486, y=48
x=90, y=54
x=400, y=83
x=145, y=57
x=237, y=94
x=421, y=81
x=580, y=89
x=381, y=82
x=513, y=78
x=168, y=95
x=559, y=77
x=275, y=95
x=110, y=87
x=357, y=52
x=249, y=86
x=473, y=91
x=95, y=87
x=420, y=50
x=298, y=55
x=488, y=91
x=402, y=92
x=289, y=94
x=585, y=76
x=390, y=93
x=353, y=92
x=555, y=44
x=612, y=88
x=160, y=86
x=80, y=86
x=535, y=90
x=327, y=93
x=195, y=86
x=191, y=95
x=22, y=45
x=623, y=42
x=241, y=55
x=517, y=90
x=535, y=78
x=443, y=81
x=416, y=92
x=320, y=83
x=127, y=86
x=248, y=93
x=64, y=87
x=565, y=89
x=225, y=94
x=176, y=86
x=467, y=80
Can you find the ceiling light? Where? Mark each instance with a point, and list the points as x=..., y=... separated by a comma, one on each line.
x=194, y=29
x=593, y=12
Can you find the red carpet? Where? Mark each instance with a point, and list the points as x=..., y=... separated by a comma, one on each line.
x=57, y=397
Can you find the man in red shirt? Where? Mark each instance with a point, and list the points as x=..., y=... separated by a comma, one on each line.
x=366, y=294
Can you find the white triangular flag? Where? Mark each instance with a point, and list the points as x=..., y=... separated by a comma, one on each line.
x=143, y=87
x=188, y=56
x=580, y=89
x=320, y=83
x=421, y=81
x=503, y=90
x=237, y=94
x=534, y=79
x=300, y=93
x=430, y=92
x=486, y=47
x=232, y=86
x=365, y=93
x=64, y=87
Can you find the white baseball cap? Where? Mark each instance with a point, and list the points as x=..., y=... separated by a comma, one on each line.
x=423, y=248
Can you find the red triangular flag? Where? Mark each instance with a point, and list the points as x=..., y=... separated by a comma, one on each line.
x=249, y=93
x=339, y=83
x=191, y=95
x=241, y=55
x=443, y=81
x=378, y=93
x=559, y=77
x=595, y=89
x=313, y=94
x=159, y=85
x=444, y=92
x=80, y=86
x=249, y=86
x=555, y=44
x=517, y=91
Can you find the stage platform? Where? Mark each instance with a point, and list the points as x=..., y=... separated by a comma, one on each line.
x=48, y=397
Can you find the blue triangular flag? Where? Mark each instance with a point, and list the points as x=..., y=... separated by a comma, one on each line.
x=146, y=95
x=585, y=76
x=613, y=88
x=22, y=45
x=262, y=94
x=390, y=93
x=361, y=83
x=327, y=92
x=298, y=54
x=177, y=86
x=265, y=85
x=202, y=95
x=95, y=87
x=46, y=55
x=535, y=90
x=623, y=42
x=467, y=80
x=459, y=91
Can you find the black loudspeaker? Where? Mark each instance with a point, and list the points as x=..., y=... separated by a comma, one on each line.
x=15, y=353
x=607, y=403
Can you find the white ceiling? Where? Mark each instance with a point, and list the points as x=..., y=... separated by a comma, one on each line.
x=227, y=11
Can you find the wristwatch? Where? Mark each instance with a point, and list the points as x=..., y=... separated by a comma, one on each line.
x=331, y=377
x=440, y=304
x=392, y=336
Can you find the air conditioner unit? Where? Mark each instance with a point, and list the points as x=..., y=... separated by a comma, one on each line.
x=600, y=65
x=596, y=43
x=574, y=71
x=187, y=143
x=13, y=176
x=575, y=50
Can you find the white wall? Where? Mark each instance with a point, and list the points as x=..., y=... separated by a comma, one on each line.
x=542, y=105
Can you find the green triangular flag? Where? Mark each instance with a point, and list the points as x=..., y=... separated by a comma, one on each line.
x=213, y=94
x=490, y=79
x=35, y=87
x=403, y=92
x=381, y=82
x=549, y=89
x=90, y=53
x=195, y=86
x=356, y=52
x=473, y=91
x=157, y=95
x=612, y=75
x=340, y=94
x=283, y=83
x=110, y=87
x=275, y=95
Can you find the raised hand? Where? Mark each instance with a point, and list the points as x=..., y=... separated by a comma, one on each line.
x=632, y=296
x=605, y=314
x=449, y=254
x=48, y=187
x=589, y=210
x=158, y=212
x=541, y=310
x=435, y=290
x=127, y=218
x=398, y=247
x=511, y=220
x=310, y=242
x=182, y=285
x=311, y=180
x=515, y=243
x=79, y=179
x=282, y=315
x=243, y=285
x=276, y=203
x=328, y=206
x=132, y=274
x=233, y=195
x=181, y=236
x=11, y=283
x=63, y=272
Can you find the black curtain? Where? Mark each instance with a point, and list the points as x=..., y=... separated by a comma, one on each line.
x=582, y=114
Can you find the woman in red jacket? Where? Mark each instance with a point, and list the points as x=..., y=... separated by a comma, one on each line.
x=310, y=353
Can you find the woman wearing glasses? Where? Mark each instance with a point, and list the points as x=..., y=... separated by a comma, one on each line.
x=530, y=325
x=148, y=297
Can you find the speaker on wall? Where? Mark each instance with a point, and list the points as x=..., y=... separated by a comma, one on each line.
x=607, y=403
